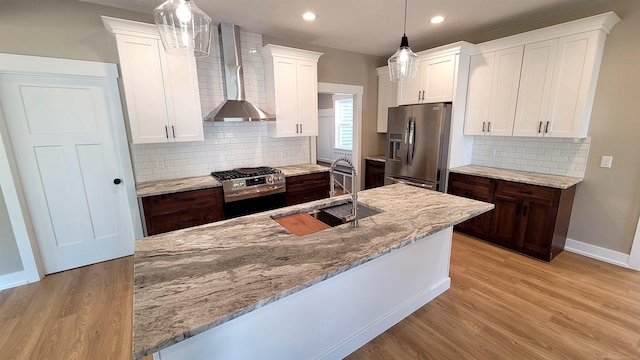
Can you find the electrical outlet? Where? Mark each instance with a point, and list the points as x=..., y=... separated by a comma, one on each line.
x=606, y=161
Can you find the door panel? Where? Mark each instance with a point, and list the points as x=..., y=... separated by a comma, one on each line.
x=396, y=138
x=63, y=141
x=539, y=229
x=505, y=225
x=429, y=121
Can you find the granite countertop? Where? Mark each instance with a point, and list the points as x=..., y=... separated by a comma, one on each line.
x=380, y=158
x=525, y=177
x=191, y=280
x=161, y=187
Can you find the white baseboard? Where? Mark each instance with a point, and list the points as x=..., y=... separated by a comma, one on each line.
x=12, y=280
x=597, y=252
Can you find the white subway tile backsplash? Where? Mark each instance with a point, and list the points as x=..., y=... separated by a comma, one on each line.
x=227, y=145
x=558, y=156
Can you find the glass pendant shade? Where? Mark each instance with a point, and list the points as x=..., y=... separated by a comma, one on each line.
x=404, y=63
x=183, y=27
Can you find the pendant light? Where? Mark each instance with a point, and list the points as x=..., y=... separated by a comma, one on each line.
x=404, y=63
x=183, y=27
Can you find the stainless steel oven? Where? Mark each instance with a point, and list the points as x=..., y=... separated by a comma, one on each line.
x=251, y=190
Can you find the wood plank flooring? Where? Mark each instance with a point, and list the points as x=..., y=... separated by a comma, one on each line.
x=501, y=305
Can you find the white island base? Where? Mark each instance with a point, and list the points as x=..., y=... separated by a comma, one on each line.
x=333, y=318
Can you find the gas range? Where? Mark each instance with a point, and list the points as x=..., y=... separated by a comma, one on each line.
x=246, y=183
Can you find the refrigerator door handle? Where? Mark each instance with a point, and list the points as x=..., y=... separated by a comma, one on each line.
x=406, y=140
x=412, y=140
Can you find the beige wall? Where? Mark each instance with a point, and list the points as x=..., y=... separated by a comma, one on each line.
x=349, y=68
x=325, y=101
x=60, y=28
x=607, y=204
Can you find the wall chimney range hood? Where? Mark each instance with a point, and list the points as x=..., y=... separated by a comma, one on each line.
x=235, y=108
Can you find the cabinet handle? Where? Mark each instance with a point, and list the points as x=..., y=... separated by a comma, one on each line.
x=166, y=132
x=424, y=94
x=524, y=210
x=297, y=128
x=518, y=209
x=540, y=127
x=483, y=124
x=525, y=192
x=300, y=128
x=173, y=130
x=178, y=201
x=489, y=127
x=546, y=128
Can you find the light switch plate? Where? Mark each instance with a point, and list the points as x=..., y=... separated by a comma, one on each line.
x=606, y=161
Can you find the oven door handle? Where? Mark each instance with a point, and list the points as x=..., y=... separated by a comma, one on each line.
x=247, y=194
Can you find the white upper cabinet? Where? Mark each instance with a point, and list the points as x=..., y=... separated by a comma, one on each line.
x=535, y=88
x=433, y=82
x=291, y=77
x=573, y=87
x=161, y=90
x=492, y=92
x=552, y=92
x=386, y=97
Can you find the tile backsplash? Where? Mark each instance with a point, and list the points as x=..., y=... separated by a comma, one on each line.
x=226, y=145
x=557, y=156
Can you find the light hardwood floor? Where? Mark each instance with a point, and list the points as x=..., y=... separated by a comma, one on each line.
x=501, y=305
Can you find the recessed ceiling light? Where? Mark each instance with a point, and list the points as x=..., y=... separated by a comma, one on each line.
x=437, y=19
x=309, y=16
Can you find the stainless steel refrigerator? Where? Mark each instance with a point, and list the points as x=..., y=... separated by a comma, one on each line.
x=418, y=145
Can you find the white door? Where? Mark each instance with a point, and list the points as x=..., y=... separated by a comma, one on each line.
x=325, y=135
x=63, y=143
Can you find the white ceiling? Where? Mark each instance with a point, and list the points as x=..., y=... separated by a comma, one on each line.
x=366, y=26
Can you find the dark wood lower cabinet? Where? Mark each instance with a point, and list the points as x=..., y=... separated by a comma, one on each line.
x=305, y=188
x=530, y=219
x=168, y=212
x=373, y=174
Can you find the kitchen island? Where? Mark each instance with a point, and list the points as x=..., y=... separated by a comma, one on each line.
x=248, y=288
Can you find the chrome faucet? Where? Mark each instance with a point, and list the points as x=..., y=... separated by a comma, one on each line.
x=354, y=189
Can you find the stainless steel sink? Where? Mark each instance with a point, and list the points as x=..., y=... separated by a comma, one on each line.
x=335, y=215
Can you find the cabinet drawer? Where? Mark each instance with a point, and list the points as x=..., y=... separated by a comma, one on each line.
x=308, y=182
x=535, y=193
x=471, y=194
x=473, y=183
x=162, y=204
x=157, y=224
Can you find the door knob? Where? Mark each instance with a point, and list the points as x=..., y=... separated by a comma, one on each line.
x=117, y=181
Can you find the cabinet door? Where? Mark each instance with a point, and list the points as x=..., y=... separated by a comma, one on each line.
x=143, y=88
x=536, y=229
x=374, y=174
x=479, y=93
x=182, y=97
x=535, y=88
x=286, y=93
x=504, y=91
x=307, y=85
x=409, y=90
x=437, y=79
x=573, y=85
x=505, y=226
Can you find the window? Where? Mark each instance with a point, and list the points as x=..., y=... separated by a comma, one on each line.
x=343, y=107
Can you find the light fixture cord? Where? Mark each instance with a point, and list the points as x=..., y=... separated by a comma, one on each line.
x=404, y=30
